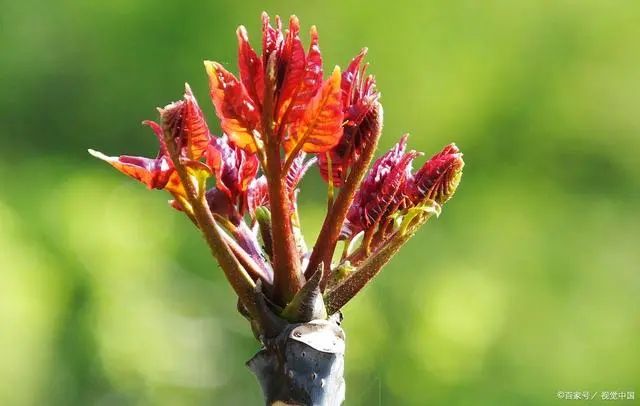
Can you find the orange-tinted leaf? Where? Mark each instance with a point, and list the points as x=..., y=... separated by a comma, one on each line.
x=154, y=173
x=198, y=174
x=196, y=131
x=320, y=127
x=308, y=86
x=251, y=67
x=238, y=114
x=174, y=185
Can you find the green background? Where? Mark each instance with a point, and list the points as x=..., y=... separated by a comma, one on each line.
x=525, y=286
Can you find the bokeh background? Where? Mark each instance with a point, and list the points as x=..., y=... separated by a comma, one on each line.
x=527, y=284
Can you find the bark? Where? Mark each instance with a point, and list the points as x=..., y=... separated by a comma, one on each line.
x=303, y=364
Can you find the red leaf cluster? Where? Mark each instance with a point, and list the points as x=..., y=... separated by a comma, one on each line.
x=362, y=121
x=390, y=186
x=184, y=124
x=278, y=110
x=307, y=113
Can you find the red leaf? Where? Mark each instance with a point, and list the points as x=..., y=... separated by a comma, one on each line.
x=362, y=120
x=290, y=68
x=320, y=127
x=195, y=127
x=233, y=168
x=154, y=173
x=238, y=114
x=271, y=38
x=247, y=169
x=172, y=119
x=251, y=67
x=351, y=75
x=340, y=157
x=384, y=201
x=297, y=171
x=220, y=203
x=221, y=159
x=308, y=86
x=174, y=184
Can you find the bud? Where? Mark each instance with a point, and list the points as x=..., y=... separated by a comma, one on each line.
x=438, y=178
x=363, y=118
x=172, y=120
x=382, y=190
x=234, y=169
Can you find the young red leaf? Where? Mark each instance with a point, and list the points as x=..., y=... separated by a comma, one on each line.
x=362, y=120
x=154, y=173
x=290, y=68
x=258, y=194
x=198, y=174
x=159, y=134
x=311, y=81
x=172, y=119
x=271, y=37
x=320, y=127
x=251, y=67
x=297, y=171
x=238, y=114
x=196, y=131
x=355, y=139
x=248, y=166
x=234, y=169
x=351, y=76
x=381, y=190
x=389, y=193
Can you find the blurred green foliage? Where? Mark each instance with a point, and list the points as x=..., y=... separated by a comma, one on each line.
x=527, y=285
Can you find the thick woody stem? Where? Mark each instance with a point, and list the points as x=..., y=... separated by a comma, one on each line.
x=240, y=281
x=288, y=277
x=300, y=364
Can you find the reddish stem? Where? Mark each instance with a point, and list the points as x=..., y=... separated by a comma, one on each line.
x=252, y=267
x=241, y=282
x=288, y=278
x=328, y=237
x=338, y=296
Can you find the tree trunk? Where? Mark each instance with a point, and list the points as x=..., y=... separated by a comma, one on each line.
x=302, y=365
